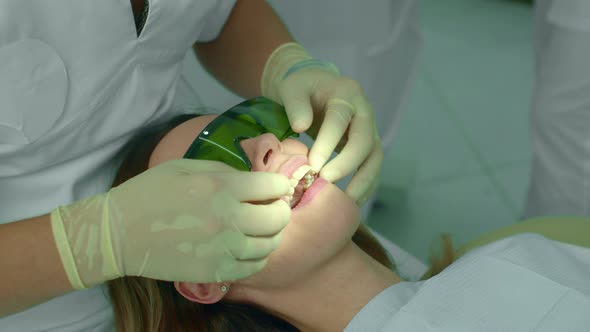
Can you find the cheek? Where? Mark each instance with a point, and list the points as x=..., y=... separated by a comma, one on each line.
x=331, y=212
x=314, y=235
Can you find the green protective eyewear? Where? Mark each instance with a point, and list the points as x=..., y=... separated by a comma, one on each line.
x=220, y=140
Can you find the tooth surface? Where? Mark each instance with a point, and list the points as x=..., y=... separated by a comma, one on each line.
x=308, y=183
x=291, y=191
x=300, y=172
x=294, y=183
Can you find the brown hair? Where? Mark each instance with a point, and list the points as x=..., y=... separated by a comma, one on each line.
x=148, y=305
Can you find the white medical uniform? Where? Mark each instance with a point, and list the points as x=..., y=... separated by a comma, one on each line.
x=522, y=283
x=375, y=42
x=560, y=119
x=75, y=82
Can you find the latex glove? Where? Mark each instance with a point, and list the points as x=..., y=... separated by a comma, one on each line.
x=333, y=110
x=183, y=220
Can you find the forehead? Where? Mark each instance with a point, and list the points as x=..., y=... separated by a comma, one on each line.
x=177, y=141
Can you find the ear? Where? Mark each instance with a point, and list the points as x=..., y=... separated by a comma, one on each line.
x=201, y=293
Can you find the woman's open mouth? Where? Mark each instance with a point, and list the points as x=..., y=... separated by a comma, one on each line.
x=305, y=184
x=301, y=180
x=310, y=193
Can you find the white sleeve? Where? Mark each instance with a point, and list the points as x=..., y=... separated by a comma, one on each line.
x=216, y=20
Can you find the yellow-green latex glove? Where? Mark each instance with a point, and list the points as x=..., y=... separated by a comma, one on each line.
x=333, y=110
x=183, y=220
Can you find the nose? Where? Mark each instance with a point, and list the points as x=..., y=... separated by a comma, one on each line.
x=261, y=150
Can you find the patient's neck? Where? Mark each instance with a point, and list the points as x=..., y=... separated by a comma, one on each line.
x=332, y=295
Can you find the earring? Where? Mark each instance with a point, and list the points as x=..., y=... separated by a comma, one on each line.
x=224, y=288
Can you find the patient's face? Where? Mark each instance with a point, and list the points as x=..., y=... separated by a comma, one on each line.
x=317, y=231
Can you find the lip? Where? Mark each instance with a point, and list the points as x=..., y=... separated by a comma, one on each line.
x=291, y=165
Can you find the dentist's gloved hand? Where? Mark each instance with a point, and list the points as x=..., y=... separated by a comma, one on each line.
x=333, y=110
x=182, y=220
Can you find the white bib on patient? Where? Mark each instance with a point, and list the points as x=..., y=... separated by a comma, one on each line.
x=523, y=283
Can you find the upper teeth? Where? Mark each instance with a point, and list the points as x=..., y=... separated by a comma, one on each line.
x=309, y=178
x=303, y=172
x=300, y=173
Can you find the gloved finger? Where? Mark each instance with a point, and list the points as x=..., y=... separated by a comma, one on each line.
x=297, y=105
x=254, y=247
x=359, y=144
x=338, y=114
x=255, y=186
x=240, y=270
x=361, y=191
x=262, y=220
x=365, y=180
